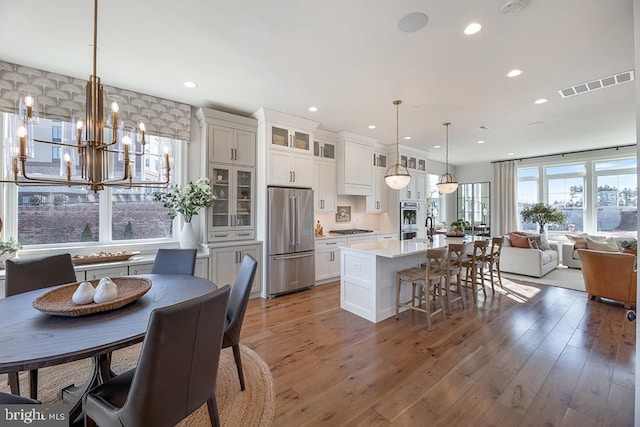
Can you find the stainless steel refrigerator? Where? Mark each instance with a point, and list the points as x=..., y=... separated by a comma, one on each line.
x=290, y=240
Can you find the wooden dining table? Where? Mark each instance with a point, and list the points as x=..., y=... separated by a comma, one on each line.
x=30, y=339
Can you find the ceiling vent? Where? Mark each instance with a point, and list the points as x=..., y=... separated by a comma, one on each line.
x=617, y=79
x=512, y=6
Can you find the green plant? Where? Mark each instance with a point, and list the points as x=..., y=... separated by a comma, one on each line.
x=36, y=200
x=461, y=224
x=189, y=201
x=60, y=200
x=9, y=246
x=628, y=244
x=86, y=235
x=543, y=214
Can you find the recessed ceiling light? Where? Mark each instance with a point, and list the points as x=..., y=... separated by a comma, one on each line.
x=481, y=142
x=413, y=22
x=313, y=109
x=407, y=137
x=514, y=73
x=190, y=85
x=436, y=146
x=510, y=154
x=540, y=101
x=483, y=127
x=472, y=28
x=371, y=126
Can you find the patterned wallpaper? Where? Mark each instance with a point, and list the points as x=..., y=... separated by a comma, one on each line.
x=62, y=97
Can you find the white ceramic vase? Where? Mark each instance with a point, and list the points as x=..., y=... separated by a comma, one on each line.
x=188, y=238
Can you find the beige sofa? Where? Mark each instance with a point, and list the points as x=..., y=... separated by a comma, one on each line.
x=570, y=257
x=528, y=262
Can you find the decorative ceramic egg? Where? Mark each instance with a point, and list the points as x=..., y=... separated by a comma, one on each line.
x=84, y=294
x=106, y=291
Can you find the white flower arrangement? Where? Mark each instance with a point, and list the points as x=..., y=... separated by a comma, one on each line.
x=189, y=201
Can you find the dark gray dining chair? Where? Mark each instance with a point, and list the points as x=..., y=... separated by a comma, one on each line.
x=175, y=261
x=29, y=274
x=12, y=399
x=176, y=371
x=240, y=293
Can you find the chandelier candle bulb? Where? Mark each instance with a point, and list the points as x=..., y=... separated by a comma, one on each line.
x=22, y=134
x=142, y=130
x=28, y=100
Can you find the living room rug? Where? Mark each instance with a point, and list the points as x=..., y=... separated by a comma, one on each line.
x=561, y=276
x=253, y=407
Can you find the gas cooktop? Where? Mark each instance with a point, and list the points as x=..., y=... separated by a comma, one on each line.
x=351, y=231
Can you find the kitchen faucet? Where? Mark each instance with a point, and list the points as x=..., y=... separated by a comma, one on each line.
x=430, y=230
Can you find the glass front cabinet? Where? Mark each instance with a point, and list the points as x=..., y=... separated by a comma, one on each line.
x=231, y=216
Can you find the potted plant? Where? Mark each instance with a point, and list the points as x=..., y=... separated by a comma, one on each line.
x=188, y=202
x=629, y=246
x=459, y=226
x=8, y=250
x=543, y=214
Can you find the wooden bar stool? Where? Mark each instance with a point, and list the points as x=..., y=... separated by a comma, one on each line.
x=474, y=265
x=455, y=258
x=493, y=261
x=426, y=285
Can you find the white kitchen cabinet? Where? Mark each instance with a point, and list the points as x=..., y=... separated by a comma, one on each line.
x=225, y=263
x=416, y=190
x=290, y=169
x=228, y=138
x=351, y=240
x=379, y=201
x=99, y=273
x=355, y=175
x=232, y=213
x=387, y=236
x=324, y=186
x=137, y=269
x=327, y=258
x=288, y=138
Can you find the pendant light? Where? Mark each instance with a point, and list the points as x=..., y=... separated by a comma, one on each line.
x=397, y=176
x=447, y=183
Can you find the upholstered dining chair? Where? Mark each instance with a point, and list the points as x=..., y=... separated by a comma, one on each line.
x=238, y=301
x=12, y=399
x=176, y=371
x=30, y=274
x=175, y=261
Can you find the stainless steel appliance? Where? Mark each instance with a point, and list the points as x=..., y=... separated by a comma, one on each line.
x=290, y=240
x=351, y=231
x=409, y=220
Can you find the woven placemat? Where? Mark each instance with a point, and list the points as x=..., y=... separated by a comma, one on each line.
x=58, y=301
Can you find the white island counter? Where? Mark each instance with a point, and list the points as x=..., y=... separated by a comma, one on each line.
x=368, y=274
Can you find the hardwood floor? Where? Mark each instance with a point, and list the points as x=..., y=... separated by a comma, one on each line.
x=528, y=356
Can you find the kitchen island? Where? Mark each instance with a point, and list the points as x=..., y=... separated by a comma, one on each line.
x=368, y=274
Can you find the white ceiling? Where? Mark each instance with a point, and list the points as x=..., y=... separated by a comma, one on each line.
x=349, y=59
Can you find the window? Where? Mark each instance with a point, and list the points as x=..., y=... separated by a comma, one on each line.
x=434, y=201
x=48, y=215
x=598, y=196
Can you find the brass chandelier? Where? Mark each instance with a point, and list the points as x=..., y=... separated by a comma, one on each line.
x=94, y=153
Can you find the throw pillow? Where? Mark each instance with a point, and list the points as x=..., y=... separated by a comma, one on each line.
x=579, y=240
x=541, y=240
x=606, y=246
x=518, y=241
x=533, y=243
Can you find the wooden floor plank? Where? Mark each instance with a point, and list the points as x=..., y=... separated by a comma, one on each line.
x=526, y=355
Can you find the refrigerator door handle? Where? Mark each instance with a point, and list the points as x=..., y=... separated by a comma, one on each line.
x=297, y=220
x=279, y=257
x=292, y=220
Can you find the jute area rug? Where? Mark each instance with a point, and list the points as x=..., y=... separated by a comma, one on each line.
x=563, y=277
x=253, y=407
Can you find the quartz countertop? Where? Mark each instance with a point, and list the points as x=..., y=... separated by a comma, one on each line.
x=397, y=248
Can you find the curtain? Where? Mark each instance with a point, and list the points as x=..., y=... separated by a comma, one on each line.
x=504, y=203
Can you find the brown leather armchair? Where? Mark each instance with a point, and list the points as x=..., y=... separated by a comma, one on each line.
x=609, y=275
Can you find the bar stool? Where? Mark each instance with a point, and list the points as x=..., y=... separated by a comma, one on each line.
x=426, y=285
x=493, y=261
x=455, y=258
x=474, y=265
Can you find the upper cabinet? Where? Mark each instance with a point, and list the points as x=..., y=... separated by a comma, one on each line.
x=324, y=171
x=379, y=200
x=228, y=138
x=416, y=163
x=288, y=144
x=355, y=170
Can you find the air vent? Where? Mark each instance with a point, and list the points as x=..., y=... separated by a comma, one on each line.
x=483, y=127
x=617, y=79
